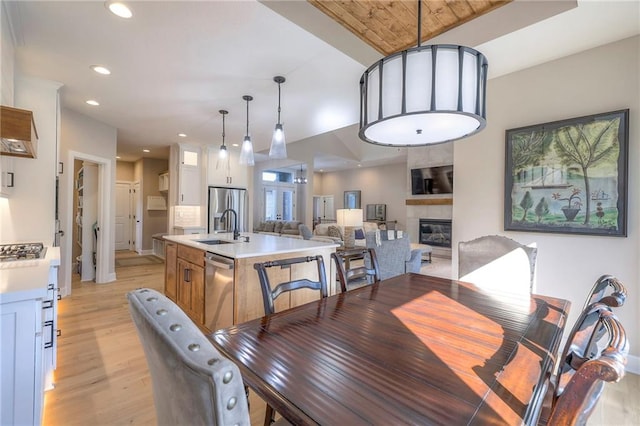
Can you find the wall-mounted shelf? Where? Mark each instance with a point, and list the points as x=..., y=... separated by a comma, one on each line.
x=430, y=202
x=155, y=202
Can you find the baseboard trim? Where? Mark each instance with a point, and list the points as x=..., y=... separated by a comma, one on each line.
x=633, y=364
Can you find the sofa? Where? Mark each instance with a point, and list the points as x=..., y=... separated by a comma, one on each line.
x=278, y=227
x=395, y=256
x=336, y=232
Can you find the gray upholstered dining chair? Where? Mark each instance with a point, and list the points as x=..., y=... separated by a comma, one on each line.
x=305, y=232
x=395, y=257
x=586, y=365
x=496, y=262
x=192, y=382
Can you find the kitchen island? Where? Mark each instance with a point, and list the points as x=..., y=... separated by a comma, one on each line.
x=211, y=276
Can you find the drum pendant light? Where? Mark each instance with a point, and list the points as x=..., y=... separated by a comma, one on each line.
x=246, y=151
x=424, y=95
x=223, y=154
x=278, y=144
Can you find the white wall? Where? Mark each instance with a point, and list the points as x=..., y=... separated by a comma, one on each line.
x=6, y=57
x=378, y=185
x=91, y=139
x=598, y=80
x=29, y=214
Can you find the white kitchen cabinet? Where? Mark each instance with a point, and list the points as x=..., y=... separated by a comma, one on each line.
x=28, y=326
x=50, y=328
x=236, y=176
x=7, y=175
x=22, y=373
x=189, y=176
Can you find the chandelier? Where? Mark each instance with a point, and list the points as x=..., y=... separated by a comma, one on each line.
x=424, y=95
x=300, y=179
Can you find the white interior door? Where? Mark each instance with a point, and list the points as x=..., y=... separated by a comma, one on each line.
x=123, y=216
x=279, y=203
x=137, y=216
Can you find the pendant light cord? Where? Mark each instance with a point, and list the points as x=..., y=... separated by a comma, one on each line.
x=223, y=129
x=419, y=23
x=278, y=103
x=247, y=134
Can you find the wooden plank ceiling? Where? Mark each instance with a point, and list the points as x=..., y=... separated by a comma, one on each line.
x=391, y=26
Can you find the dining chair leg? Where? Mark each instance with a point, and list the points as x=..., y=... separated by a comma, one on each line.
x=246, y=392
x=268, y=415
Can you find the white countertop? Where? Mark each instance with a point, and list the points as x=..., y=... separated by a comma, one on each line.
x=258, y=245
x=27, y=279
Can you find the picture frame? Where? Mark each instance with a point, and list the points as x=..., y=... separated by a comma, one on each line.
x=568, y=176
x=351, y=199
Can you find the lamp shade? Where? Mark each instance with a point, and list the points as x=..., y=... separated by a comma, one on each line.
x=349, y=217
x=424, y=95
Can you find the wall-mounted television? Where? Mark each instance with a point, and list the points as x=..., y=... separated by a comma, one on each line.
x=432, y=180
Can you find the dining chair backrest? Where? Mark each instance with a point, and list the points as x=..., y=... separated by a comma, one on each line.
x=573, y=403
x=270, y=294
x=192, y=382
x=353, y=276
x=496, y=262
x=599, y=292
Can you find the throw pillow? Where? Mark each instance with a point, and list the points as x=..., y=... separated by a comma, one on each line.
x=334, y=231
x=359, y=234
x=278, y=227
x=269, y=226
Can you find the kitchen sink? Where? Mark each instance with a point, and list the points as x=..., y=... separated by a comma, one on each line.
x=213, y=242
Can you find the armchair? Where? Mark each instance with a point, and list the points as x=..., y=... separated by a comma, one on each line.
x=395, y=257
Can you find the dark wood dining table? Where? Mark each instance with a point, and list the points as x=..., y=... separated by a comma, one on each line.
x=413, y=349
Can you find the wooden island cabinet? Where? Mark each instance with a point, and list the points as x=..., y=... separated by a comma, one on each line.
x=238, y=298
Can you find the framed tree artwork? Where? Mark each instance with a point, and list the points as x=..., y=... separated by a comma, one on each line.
x=568, y=176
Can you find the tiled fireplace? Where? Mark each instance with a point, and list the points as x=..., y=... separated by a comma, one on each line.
x=435, y=232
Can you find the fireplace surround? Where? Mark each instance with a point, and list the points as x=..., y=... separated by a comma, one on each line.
x=435, y=232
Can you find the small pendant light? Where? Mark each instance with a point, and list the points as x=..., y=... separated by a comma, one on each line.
x=278, y=144
x=246, y=151
x=223, y=154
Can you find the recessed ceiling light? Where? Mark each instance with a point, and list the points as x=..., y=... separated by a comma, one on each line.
x=92, y=102
x=145, y=150
x=100, y=69
x=235, y=144
x=117, y=157
x=182, y=135
x=120, y=9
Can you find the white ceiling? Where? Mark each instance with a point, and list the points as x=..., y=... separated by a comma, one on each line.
x=176, y=63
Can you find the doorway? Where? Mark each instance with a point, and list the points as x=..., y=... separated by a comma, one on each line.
x=137, y=217
x=279, y=202
x=104, y=271
x=124, y=208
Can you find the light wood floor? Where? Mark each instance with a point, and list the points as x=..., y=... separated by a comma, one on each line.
x=102, y=376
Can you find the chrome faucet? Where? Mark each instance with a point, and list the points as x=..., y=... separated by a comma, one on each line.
x=236, y=233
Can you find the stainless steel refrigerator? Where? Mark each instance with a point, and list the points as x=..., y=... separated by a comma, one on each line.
x=221, y=199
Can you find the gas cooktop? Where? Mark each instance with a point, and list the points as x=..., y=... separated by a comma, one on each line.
x=10, y=252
